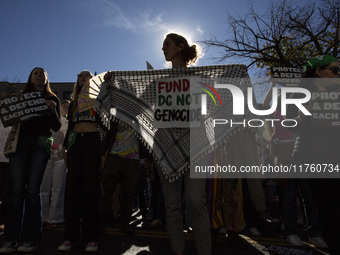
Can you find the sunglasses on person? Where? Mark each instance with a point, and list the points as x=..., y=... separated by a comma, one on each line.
x=334, y=69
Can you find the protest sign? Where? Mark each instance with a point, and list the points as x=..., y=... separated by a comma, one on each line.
x=130, y=97
x=12, y=140
x=3, y=137
x=178, y=102
x=286, y=76
x=18, y=109
x=326, y=109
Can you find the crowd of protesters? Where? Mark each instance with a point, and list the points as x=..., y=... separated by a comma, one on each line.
x=89, y=181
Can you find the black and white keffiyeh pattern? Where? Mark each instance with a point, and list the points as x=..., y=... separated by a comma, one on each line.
x=130, y=96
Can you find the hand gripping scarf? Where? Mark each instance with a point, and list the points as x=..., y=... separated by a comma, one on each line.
x=130, y=96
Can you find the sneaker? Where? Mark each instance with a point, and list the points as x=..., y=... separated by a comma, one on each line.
x=156, y=224
x=127, y=229
x=66, y=245
x=27, y=247
x=275, y=220
x=51, y=226
x=91, y=246
x=9, y=247
x=318, y=242
x=254, y=231
x=223, y=231
x=146, y=217
x=294, y=240
x=235, y=239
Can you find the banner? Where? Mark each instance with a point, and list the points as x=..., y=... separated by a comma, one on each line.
x=12, y=140
x=3, y=137
x=131, y=97
x=18, y=109
x=287, y=76
x=326, y=109
x=178, y=103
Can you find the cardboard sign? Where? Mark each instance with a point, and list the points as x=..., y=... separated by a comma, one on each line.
x=326, y=109
x=3, y=137
x=178, y=102
x=18, y=109
x=287, y=76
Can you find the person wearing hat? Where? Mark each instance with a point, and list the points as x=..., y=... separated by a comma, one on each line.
x=314, y=144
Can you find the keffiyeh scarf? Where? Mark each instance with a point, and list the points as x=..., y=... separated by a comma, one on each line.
x=130, y=96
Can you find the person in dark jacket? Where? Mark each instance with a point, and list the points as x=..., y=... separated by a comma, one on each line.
x=314, y=144
x=23, y=223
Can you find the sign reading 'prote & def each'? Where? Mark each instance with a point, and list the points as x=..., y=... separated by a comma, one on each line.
x=18, y=109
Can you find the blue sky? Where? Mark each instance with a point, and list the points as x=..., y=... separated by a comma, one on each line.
x=67, y=36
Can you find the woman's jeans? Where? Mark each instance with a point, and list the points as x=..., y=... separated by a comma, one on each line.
x=53, y=189
x=82, y=191
x=26, y=168
x=195, y=190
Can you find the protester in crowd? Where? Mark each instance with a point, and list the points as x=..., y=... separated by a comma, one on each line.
x=281, y=147
x=122, y=152
x=143, y=189
x=115, y=204
x=81, y=147
x=23, y=223
x=238, y=205
x=282, y=140
x=177, y=50
x=157, y=200
x=232, y=210
x=4, y=176
x=244, y=207
x=326, y=190
x=314, y=144
x=53, y=184
x=214, y=197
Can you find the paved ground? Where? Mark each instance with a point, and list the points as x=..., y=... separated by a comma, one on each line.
x=150, y=241
x=145, y=241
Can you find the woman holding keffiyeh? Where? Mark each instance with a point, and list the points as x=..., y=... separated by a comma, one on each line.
x=177, y=50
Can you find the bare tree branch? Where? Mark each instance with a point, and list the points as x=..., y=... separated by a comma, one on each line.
x=286, y=34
